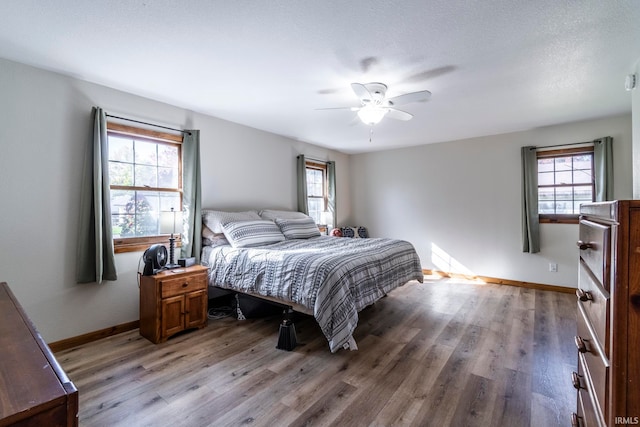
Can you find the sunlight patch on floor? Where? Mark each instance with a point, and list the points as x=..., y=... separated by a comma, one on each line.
x=445, y=262
x=433, y=276
x=467, y=281
x=447, y=267
x=436, y=276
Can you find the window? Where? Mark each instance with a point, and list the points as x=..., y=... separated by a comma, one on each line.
x=145, y=178
x=565, y=181
x=316, y=190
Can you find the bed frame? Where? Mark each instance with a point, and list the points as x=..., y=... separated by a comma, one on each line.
x=287, y=339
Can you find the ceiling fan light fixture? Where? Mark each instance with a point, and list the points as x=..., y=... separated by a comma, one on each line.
x=371, y=115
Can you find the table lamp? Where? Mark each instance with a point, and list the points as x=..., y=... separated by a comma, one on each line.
x=168, y=221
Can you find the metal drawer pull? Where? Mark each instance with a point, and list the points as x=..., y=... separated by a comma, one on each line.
x=575, y=420
x=584, y=295
x=583, y=246
x=582, y=347
x=575, y=380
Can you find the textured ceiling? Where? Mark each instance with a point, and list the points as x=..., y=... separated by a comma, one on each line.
x=492, y=66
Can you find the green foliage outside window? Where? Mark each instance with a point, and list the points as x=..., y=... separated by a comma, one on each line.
x=144, y=179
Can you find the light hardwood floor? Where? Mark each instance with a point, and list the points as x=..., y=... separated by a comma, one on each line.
x=442, y=353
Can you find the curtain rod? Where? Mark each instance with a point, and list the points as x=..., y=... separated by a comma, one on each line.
x=150, y=124
x=564, y=145
x=314, y=160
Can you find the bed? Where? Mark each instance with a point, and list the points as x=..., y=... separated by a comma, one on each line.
x=281, y=256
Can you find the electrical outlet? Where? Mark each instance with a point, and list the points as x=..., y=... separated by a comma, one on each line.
x=553, y=267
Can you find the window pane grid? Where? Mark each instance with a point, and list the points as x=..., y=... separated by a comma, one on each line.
x=314, y=183
x=316, y=192
x=137, y=213
x=564, y=182
x=153, y=166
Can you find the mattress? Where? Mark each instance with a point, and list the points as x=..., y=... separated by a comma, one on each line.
x=333, y=278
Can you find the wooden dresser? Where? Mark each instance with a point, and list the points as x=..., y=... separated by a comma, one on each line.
x=34, y=390
x=608, y=319
x=173, y=301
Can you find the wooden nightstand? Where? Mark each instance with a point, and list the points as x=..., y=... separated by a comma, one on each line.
x=173, y=301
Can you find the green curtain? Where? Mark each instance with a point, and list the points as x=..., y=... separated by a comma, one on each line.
x=95, y=256
x=331, y=192
x=302, y=184
x=192, y=196
x=530, y=220
x=603, y=168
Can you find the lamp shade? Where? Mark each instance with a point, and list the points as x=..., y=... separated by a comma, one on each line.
x=327, y=218
x=170, y=222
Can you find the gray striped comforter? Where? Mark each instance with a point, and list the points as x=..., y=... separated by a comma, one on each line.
x=331, y=276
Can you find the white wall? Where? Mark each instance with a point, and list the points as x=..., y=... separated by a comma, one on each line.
x=459, y=202
x=45, y=126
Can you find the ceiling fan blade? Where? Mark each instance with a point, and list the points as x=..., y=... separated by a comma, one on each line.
x=398, y=114
x=340, y=108
x=407, y=98
x=429, y=74
x=361, y=92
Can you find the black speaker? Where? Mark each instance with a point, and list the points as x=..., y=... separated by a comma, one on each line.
x=187, y=262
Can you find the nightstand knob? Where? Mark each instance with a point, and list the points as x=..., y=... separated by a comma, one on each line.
x=184, y=285
x=582, y=347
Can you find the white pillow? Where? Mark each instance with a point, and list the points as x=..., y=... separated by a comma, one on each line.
x=272, y=214
x=242, y=234
x=209, y=238
x=214, y=219
x=218, y=240
x=303, y=228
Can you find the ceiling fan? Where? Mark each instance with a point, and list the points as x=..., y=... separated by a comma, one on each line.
x=375, y=105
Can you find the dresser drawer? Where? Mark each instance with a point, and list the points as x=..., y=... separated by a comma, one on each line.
x=594, y=247
x=181, y=285
x=595, y=304
x=593, y=365
x=587, y=414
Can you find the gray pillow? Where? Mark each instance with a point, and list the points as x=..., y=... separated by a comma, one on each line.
x=243, y=234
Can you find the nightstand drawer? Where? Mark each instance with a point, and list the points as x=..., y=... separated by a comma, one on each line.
x=182, y=285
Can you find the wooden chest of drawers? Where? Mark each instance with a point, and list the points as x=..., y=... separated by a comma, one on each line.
x=608, y=318
x=34, y=390
x=173, y=301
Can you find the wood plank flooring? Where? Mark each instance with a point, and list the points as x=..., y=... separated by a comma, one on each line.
x=442, y=353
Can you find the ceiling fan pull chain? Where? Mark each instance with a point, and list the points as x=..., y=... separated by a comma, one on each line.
x=370, y=133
